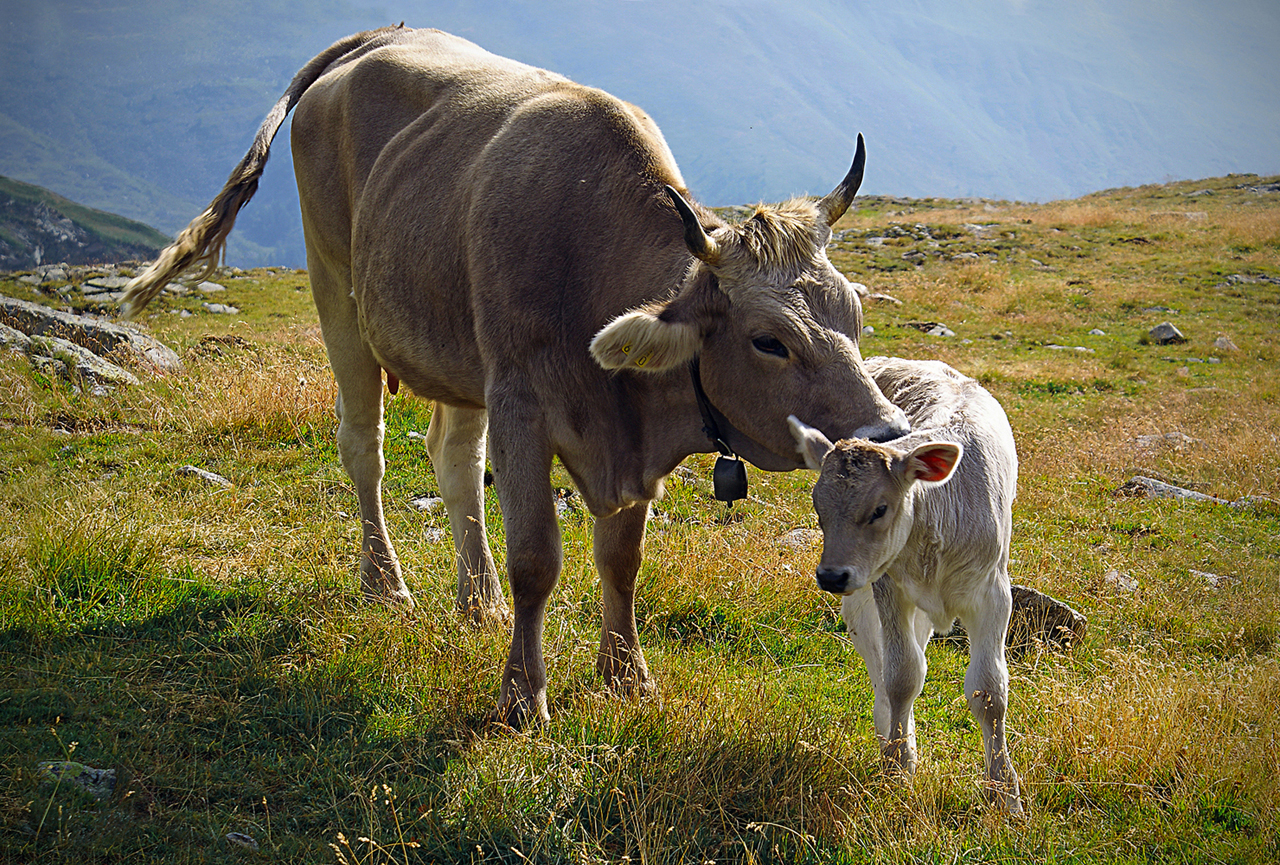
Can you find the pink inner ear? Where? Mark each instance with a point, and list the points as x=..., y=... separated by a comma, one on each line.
x=937, y=465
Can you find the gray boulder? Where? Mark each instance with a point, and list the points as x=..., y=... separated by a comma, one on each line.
x=99, y=337
x=1166, y=334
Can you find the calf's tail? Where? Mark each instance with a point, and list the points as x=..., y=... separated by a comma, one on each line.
x=203, y=243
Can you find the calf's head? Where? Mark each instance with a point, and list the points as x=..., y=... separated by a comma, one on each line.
x=773, y=324
x=864, y=498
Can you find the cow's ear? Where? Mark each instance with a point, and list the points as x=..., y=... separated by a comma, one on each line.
x=810, y=442
x=646, y=341
x=933, y=462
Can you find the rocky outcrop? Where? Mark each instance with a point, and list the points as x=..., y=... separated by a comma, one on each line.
x=100, y=337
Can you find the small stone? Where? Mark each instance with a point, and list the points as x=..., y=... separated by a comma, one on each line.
x=210, y=477
x=220, y=308
x=868, y=330
x=1120, y=580
x=426, y=503
x=801, y=539
x=1225, y=343
x=209, y=287
x=1215, y=581
x=98, y=783
x=240, y=839
x=1097, y=332
x=1038, y=618
x=1165, y=334
x=107, y=283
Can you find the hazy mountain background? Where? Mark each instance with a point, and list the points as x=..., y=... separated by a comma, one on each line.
x=143, y=108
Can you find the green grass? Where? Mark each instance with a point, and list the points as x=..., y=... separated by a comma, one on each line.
x=210, y=645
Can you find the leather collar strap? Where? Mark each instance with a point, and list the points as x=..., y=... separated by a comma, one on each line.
x=709, y=425
x=729, y=479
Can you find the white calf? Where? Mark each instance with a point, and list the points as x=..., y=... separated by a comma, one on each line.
x=932, y=513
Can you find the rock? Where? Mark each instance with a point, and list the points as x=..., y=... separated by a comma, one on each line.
x=1214, y=581
x=239, y=839
x=1097, y=332
x=1079, y=348
x=210, y=477
x=99, y=337
x=1038, y=619
x=64, y=359
x=868, y=330
x=107, y=283
x=1225, y=343
x=1165, y=334
x=801, y=539
x=932, y=328
x=965, y=256
x=426, y=503
x=1176, y=440
x=98, y=783
x=1121, y=581
x=210, y=287
x=1150, y=488
x=220, y=308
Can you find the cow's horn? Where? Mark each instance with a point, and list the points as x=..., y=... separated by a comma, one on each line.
x=834, y=205
x=696, y=238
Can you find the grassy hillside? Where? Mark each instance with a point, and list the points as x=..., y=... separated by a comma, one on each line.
x=33, y=218
x=210, y=645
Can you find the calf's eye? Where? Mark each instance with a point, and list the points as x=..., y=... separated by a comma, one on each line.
x=877, y=514
x=769, y=345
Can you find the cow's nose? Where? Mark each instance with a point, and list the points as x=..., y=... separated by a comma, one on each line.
x=834, y=580
x=897, y=427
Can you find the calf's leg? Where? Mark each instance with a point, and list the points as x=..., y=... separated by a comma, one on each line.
x=456, y=445
x=905, y=666
x=986, y=688
x=862, y=622
x=618, y=545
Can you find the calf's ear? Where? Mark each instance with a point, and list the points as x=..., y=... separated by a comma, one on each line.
x=645, y=341
x=810, y=442
x=933, y=462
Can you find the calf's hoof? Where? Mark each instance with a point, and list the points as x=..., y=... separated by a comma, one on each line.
x=1003, y=796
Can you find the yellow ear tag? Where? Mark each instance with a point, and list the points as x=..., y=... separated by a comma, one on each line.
x=626, y=349
x=641, y=361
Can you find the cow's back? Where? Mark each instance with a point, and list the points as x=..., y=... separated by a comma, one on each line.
x=490, y=213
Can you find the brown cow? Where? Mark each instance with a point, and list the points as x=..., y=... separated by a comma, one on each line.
x=518, y=248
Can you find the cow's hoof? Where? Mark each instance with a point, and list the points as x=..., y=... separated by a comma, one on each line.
x=520, y=715
x=484, y=615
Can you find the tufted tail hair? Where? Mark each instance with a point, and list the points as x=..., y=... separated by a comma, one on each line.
x=203, y=243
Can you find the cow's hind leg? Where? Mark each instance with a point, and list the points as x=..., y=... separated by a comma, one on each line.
x=360, y=430
x=905, y=666
x=986, y=688
x=618, y=544
x=456, y=445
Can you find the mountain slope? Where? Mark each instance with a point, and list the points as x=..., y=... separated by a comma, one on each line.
x=37, y=225
x=144, y=108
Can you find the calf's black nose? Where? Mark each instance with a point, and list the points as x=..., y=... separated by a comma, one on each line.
x=833, y=580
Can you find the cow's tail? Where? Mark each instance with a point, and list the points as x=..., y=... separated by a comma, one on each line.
x=203, y=243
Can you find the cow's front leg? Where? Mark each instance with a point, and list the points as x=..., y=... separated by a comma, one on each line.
x=522, y=472
x=456, y=445
x=619, y=544
x=986, y=688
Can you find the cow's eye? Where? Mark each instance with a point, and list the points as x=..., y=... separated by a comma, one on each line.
x=769, y=345
x=877, y=514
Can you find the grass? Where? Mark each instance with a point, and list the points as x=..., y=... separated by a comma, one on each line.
x=209, y=643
